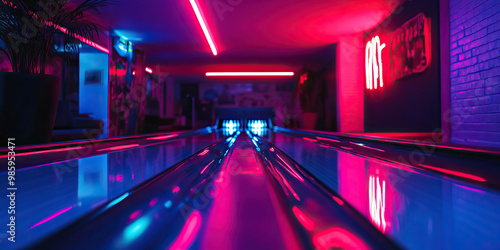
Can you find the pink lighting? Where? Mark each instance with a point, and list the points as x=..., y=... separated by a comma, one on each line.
x=338, y=200
x=290, y=170
x=188, y=232
x=364, y=146
x=84, y=40
x=202, y=171
x=176, y=189
x=309, y=139
x=119, y=177
x=134, y=215
x=346, y=148
x=456, y=173
x=288, y=185
x=337, y=238
x=119, y=147
x=153, y=202
x=303, y=78
x=327, y=139
x=376, y=193
x=373, y=63
x=471, y=189
x=204, y=152
x=303, y=219
x=149, y=70
x=52, y=216
x=163, y=137
x=44, y=151
x=204, y=26
x=249, y=74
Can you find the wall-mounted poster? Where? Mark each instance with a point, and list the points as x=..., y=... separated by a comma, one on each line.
x=410, y=47
x=93, y=77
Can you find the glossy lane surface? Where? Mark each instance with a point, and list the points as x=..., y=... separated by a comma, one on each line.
x=418, y=209
x=53, y=195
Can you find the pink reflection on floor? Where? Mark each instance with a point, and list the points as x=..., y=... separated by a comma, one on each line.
x=245, y=211
x=52, y=216
x=188, y=232
x=303, y=219
x=337, y=238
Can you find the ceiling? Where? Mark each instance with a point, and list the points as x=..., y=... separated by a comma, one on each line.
x=279, y=33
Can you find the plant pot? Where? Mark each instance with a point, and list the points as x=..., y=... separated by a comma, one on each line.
x=309, y=120
x=28, y=105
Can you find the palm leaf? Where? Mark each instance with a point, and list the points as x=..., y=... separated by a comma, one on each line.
x=27, y=28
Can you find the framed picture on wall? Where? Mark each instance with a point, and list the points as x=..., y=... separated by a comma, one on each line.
x=93, y=77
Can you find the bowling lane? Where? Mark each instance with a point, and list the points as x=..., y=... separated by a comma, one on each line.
x=226, y=197
x=225, y=204
x=52, y=195
x=245, y=210
x=417, y=209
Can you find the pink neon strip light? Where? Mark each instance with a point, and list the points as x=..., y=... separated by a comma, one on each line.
x=249, y=74
x=204, y=26
x=163, y=137
x=85, y=40
x=52, y=216
x=119, y=147
x=44, y=151
x=149, y=70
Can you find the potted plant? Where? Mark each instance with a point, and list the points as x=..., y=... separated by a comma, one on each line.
x=28, y=96
x=306, y=90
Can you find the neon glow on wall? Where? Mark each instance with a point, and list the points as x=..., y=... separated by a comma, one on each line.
x=376, y=194
x=373, y=63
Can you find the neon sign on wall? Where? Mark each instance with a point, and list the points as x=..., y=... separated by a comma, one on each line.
x=373, y=63
x=410, y=48
x=409, y=53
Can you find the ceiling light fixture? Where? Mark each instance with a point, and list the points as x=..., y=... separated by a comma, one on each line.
x=204, y=26
x=249, y=74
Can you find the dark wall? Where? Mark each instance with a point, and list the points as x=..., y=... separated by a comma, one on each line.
x=411, y=104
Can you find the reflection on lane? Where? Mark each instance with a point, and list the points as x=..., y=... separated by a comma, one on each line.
x=419, y=210
x=55, y=194
x=244, y=212
x=168, y=212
